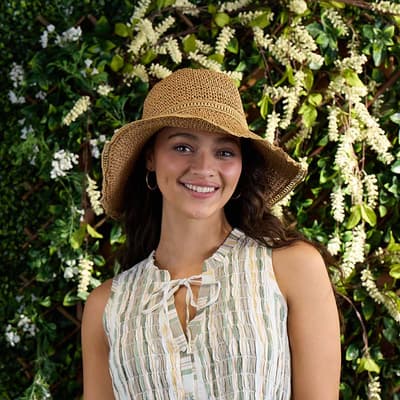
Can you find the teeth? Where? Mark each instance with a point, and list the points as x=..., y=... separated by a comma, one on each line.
x=200, y=189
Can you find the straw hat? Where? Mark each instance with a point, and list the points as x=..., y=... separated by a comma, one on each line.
x=190, y=98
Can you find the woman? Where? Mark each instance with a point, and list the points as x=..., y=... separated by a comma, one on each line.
x=219, y=300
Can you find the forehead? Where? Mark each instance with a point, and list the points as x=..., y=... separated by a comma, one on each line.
x=170, y=133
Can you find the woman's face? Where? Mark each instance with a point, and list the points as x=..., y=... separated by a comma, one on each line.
x=197, y=171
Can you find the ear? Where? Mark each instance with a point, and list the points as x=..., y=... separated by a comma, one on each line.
x=150, y=159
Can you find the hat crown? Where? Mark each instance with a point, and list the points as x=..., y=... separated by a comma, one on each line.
x=191, y=88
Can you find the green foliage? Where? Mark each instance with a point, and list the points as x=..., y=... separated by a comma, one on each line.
x=320, y=78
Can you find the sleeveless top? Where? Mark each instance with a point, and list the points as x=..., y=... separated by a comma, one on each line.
x=236, y=346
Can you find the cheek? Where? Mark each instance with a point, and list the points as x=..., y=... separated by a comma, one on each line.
x=233, y=171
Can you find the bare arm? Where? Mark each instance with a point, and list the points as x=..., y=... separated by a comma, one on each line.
x=313, y=323
x=96, y=377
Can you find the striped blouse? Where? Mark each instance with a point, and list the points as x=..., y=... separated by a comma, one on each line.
x=236, y=346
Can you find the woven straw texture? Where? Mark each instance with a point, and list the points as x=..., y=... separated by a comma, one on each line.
x=198, y=99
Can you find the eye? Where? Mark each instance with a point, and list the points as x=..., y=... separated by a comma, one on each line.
x=225, y=153
x=182, y=148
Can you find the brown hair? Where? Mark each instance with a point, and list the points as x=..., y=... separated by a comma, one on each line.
x=142, y=208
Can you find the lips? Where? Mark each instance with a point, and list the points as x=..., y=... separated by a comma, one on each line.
x=200, y=188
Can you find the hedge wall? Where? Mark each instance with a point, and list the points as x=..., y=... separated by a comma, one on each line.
x=319, y=78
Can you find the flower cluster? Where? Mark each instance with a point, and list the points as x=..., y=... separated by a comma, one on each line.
x=159, y=71
x=298, y=6
x=78, y=109
x=371, y=190
x=94, y=196
x=272, y=126
x=354, y=250
x=70, y=35
x=386, y=7
x=63, y=161
x=17, y=75
x=248, y=16
x=94, y=145
x=374, y=388
x=233, y=5
x=186, y=7
x=140, y=10
x=24, y=326
x=44, y=38
x=104, y=90
x=337, y=202
x=71, y=269
x=336, y=20
x=334, y=245
x=85, y=273
x=223, y=39
x=367, y=280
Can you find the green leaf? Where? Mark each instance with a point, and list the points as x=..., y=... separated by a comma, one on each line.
x=189, y=43
x=355, y=217
x=395, y=168
x=368, y=214
x=395, y=271
x=77, y=237
x=393, y=246
x=261, y=21
x=148, y=57
x=263, y=104
x=309, y=114
x=233, y=46
x=116, y=235
x=121, y=30
x=352, y=78
x=395, y=118
x=102, y=27
x=308, y=79
x=368, y=364
x=315, y=99
x=46, y=302
x=93, y=233
x=117, y=63
x=222, y=19
x=99, y=260
x=352, y=352
x=70, y=299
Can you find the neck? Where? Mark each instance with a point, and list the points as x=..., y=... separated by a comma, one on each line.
x=183, y=247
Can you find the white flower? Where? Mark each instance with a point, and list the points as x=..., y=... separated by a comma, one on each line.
x=171, y=47
x=159, y=71
x=104, y=90
x=233, y=5
x=27, y=325
x=334, y=245
x=354, y=251
x=337, y=202
x=62, y=161
x=374, y=388
x=140, y=10
x=186, y=7
x=12, y=337
x=94, y=196
x=272, y=125
x=70, y=272
x=367, y=280
x=40, y=95
x=78, y=109
x=25, y=131
x=249, y=16
x=336, y=20
x=163, y=26
x=204, y=61
x=371, y=188
x=17, y=74
x=298, y=6
x=50, y=28
x=70, y=35
x=44, y=38
x=333, y=130
x=223, y=39
x=14, y=99
x=88, y=62
x=85, y=273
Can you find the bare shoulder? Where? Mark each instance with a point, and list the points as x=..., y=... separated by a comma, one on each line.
x=300, y=268
x=98, y=298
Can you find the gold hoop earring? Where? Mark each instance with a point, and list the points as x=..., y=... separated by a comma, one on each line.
x=151, y=188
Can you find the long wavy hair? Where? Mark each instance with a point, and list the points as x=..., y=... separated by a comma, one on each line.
x=143, y=208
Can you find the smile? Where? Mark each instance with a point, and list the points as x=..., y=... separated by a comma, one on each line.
x=200, y=189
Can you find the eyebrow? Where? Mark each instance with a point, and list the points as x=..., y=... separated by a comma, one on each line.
x=221, y=139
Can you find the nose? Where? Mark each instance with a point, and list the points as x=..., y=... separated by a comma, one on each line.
x=203, y=164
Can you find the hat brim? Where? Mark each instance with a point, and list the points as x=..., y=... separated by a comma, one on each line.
x=120, y=154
